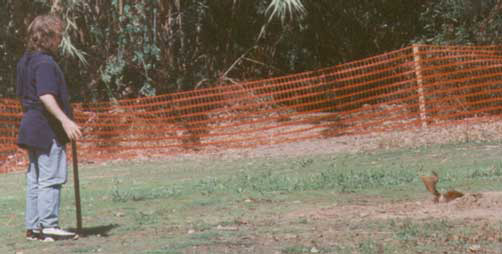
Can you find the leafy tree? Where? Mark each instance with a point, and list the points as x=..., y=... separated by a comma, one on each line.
x=14, y=15
x=128, y=48
x=337, y=31
x=462, y=22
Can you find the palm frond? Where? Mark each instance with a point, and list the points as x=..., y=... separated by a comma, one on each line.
x=284, y=8
x=69, y=49
x=67, y=46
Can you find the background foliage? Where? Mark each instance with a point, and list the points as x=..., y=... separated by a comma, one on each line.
x=128, y=48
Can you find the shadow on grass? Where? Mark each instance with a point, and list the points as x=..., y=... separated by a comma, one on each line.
x=94, y=231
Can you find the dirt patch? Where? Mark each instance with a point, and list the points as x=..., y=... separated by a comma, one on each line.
x=485, y=205
x=480, y=129
x=472, y=130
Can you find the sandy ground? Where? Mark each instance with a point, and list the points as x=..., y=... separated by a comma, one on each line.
x=487, y=205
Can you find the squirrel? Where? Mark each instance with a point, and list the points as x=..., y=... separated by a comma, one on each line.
x=430, y=183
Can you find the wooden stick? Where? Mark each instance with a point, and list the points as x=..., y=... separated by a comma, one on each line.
x=76, y=185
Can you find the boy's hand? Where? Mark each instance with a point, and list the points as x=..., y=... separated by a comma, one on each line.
x=70, y=127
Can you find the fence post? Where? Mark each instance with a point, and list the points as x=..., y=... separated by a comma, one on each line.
x=420, y=90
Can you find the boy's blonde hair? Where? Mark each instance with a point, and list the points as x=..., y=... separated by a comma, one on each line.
x=42, y=32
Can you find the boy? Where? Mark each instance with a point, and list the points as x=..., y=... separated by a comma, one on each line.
x=45, y=128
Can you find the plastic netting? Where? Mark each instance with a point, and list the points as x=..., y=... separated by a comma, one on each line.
x=414, y=87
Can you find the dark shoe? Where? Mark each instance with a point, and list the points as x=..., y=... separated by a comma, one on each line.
x=33, y=235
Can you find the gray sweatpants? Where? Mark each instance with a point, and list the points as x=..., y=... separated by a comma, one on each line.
x=46, y=174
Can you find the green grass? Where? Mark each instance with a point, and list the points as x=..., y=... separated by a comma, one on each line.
x=241, y=205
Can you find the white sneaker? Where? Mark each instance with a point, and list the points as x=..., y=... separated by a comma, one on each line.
x=56, y=232
x=48, y=239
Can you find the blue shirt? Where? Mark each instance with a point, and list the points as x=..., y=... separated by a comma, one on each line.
x=38, y=74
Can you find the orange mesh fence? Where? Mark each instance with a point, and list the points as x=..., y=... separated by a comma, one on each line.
x=413, y=87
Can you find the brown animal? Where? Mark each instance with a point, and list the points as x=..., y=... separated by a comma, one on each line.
x=430, y=183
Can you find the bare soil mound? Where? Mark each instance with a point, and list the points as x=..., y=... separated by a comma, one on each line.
x=485, y=205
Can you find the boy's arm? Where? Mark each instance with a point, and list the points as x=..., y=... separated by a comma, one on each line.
x=70, y=127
